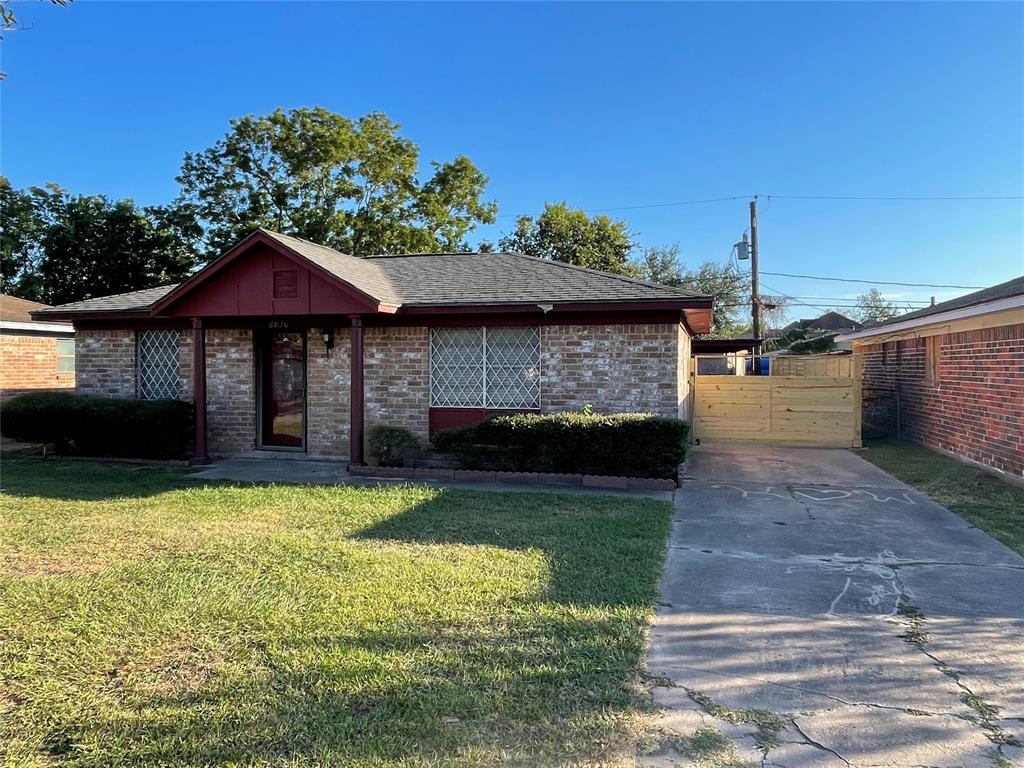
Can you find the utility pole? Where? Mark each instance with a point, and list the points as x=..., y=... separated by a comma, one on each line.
x=755, y=295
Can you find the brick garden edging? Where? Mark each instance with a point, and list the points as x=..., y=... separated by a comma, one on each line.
x=515, y=478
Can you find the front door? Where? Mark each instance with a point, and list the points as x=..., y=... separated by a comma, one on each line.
x=283, y=389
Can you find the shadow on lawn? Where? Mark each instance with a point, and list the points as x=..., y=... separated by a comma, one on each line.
x=534, y=679
x=86, y=480
x=581, y=538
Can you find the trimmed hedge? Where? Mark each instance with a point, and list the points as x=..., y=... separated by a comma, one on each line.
x=392, y=446
x=630, y=444
x=98, y=426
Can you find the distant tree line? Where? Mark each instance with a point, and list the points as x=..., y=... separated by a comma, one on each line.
x=353, y=185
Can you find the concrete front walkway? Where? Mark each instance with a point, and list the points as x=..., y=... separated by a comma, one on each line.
x=296, y=468
x=275, y=468
x=817, y=612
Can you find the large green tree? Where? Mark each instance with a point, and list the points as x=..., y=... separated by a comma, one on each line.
x=569, y=235
x=348, y=184
x=56, y=248
x=729, y=285
x=20, y=230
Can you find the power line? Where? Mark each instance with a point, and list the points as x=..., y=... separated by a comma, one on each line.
x=790, y=298
x=899, y=197
x=881, y=198
x=833, y=306
x=638, y=207
x=848, y=298
x=872, y=282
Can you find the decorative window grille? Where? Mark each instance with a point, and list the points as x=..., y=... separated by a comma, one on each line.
x=485, y=367
x=158, y=363
x=512, y=367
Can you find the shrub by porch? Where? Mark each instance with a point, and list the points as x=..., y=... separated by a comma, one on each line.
x=575, y=442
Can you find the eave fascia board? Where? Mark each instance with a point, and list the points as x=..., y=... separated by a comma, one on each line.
x=989, y=307
x=37, y=326
x=555, y=307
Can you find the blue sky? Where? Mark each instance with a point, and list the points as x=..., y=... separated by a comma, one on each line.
x=601, y=105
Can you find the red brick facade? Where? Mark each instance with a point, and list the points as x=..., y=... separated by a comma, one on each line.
x=327, y=394
x=105, y=362
x=610, y=367
x=613, y=368
x=230, y=391
x=30, y=363
x=397, y=378
x=974, y=408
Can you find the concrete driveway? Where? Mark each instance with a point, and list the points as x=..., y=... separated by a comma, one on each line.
x=817, y=612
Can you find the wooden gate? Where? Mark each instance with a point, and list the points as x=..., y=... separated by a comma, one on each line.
x=800, y=410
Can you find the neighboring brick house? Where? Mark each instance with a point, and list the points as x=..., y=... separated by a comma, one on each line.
x=34, y=354
x=952, y=376
x=285, y=344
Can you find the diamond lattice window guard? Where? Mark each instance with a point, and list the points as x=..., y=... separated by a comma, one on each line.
x=159, y=364
x=513, y=367
x=485, y=367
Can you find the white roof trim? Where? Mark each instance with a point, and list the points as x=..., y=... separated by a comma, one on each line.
x=53, y=327
x=1013, y=302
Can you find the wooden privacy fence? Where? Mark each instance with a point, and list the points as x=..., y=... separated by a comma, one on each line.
x=801, y=410
x=813, y=365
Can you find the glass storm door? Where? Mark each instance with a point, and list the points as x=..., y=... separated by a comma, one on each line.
x=283, y=390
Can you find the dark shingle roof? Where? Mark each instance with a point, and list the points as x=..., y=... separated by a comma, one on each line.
x=447, y=279
x=1005, y=290
x=360, y=273
x=133, y=301
x=439, y=279
x=830, y=321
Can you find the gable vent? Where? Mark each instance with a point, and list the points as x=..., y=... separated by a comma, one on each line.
x=286, y=284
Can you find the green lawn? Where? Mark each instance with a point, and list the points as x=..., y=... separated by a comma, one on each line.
x=147, y=621
x=988, y=502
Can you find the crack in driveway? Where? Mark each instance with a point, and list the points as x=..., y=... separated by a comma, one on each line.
x=760, y=598
x=885, y=559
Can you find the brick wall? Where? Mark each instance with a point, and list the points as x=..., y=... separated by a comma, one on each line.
x=611, y=367
x=975, y=409
x=327, y=400
x=185, y=359
x=30, y=362
x=396, y=378
x=230, y=391
x=105, y=362
x=106, y=366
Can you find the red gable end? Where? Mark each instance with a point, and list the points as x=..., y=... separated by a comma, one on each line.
x=265, y=281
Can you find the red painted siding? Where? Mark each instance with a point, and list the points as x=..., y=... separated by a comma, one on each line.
x=457, y=418
x=246, y=287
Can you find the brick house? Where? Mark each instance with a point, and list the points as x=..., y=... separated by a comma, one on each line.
x=284, y=344
x=951, y=376
x=34, y=354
